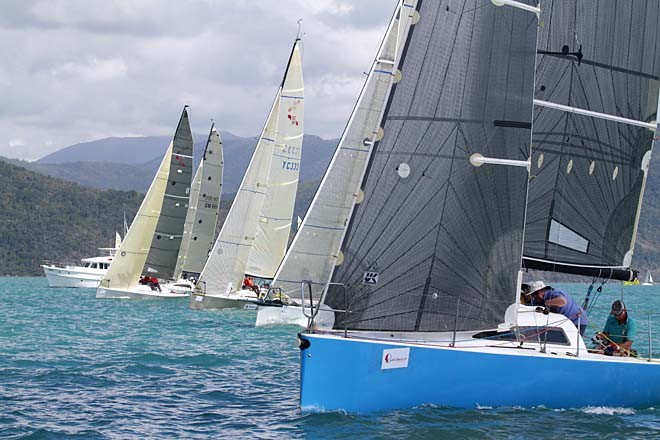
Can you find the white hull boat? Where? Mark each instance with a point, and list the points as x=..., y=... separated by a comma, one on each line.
x=88, y=275
x=73, y=276
x=139, y=292
x=291, y=314
x=243, y=299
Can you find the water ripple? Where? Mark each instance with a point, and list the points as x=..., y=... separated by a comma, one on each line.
x=72, y=366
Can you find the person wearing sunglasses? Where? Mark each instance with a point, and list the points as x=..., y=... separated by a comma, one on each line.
x=619, y=332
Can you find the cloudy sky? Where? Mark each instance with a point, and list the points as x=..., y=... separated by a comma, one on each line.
x=79, y=70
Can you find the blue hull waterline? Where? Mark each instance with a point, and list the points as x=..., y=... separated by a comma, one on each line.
x=347, y=374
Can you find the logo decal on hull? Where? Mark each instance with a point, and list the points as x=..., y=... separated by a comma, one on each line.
x=395, y=358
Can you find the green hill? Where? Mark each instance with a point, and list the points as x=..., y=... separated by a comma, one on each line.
x=42, y=218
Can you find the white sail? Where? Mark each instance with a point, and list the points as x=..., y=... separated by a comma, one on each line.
x=124, y=272
x=276, y=216
x=648, y=280
x=125, y=225
x=202, y=215
x=225, y=267
x=319, y=238
x=117, y=240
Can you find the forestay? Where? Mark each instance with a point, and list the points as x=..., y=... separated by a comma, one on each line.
x=124, y=272
x=202, y=215
x=315, y=248
x=588, y=172
x=436, y=243
x=166, y=241
x=274, y=226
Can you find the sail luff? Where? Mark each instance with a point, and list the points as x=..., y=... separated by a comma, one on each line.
x=646, y=161
x=124, y=272
x=315, y=247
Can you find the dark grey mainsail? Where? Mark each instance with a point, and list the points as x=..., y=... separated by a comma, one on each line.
x=435, y=229
x=164, y=250
x=588, y=172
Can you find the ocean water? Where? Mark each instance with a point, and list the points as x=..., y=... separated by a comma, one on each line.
x=72, y=366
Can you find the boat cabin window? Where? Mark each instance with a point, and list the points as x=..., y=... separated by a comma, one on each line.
x=87, y=264
x=551, y=335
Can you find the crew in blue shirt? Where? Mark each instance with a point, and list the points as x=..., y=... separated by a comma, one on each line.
x=558, y=302
x=620, y=329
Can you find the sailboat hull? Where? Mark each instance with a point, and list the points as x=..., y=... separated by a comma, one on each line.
x=283, y=314
x=73, y=276
x=365, y=376
x=141, y=292
x=217, y=302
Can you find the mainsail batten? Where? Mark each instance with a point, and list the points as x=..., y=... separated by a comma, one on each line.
x=429, y=216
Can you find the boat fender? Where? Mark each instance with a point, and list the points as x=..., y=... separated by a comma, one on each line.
x=303, y=344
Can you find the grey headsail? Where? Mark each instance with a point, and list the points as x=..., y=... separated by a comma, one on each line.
x=588, y=171
x=437, y=228
x=164, y=250
x=202, y=216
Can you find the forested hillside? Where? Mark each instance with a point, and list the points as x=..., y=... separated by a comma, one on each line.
x=43, y=218
x=46, y=218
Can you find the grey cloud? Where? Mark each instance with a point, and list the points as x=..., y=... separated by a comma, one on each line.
x=80, y=70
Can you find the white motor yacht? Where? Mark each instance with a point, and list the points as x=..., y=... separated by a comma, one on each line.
x=88, y=274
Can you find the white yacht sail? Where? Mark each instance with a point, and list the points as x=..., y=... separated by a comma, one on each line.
x=276, y=216
x=202, y=215
x=226, y=264
x=648, y=279
x=314, y=251
x=124, y=272
x=248, y=222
